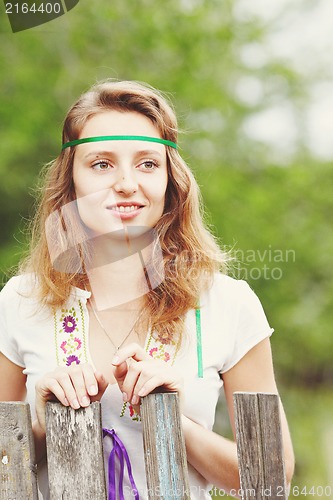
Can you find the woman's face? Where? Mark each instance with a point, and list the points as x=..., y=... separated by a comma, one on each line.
x=120, y=184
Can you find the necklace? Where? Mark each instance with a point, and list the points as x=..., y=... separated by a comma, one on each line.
x=106, y=333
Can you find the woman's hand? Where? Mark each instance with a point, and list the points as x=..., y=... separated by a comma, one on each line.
x=73, y=386
x=138, y=374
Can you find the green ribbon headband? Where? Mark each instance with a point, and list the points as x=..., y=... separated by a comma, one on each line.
x=119, y=138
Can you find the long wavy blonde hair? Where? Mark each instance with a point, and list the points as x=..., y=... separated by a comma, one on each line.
x=190, y=252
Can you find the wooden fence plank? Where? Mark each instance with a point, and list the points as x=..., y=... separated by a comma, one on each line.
x=272, y=449
x=249, y=445
x=164, y=447
x=75, y=452
x=18, y=478
x=259, y=446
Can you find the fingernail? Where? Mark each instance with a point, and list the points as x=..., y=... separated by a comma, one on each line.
x=75, y=404
x=135, y=400
x=125, y=399
x=85, y=401
x=93, y=390
x=66, y=402
x=142, y=392
x=115, y=360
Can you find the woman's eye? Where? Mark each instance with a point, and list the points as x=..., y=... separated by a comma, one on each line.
x=101, y=165
x=148, y=165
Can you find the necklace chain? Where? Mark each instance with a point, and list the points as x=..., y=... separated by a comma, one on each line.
x=105, y=331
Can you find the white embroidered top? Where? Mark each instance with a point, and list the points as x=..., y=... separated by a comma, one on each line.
x=232, y=322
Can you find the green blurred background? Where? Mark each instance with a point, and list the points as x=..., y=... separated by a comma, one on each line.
x=243, y=107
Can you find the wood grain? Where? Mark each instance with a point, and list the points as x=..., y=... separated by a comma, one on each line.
x=259, y=446
x=17, y=453
x=164, y=447
x=74, y=452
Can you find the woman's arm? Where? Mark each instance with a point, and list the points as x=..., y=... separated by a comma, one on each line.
x=12, y=385
x=216, y=457
x=212, y=455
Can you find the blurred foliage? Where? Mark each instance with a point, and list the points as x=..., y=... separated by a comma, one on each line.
x=275, y=217
x=277, y=220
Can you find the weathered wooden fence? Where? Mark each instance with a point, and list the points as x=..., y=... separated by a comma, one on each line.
x=75, y=458
x=259, y=446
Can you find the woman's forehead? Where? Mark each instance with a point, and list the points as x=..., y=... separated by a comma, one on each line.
x=114, y=152
x=112, y=122
x=115, y=132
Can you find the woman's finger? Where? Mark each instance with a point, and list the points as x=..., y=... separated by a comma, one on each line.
x=73, y=386
x=137, y=374
x=120, y=372
x=90, y=380
x=149, y=384
x=48, y=389
x=102, y=385
x=64, y=379
x=81, y=394
x=134, y=351
x=129, y=382
x=86, y=384
x=145, y=376
x=173, y=383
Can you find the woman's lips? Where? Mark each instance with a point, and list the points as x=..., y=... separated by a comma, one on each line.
x=125, y=212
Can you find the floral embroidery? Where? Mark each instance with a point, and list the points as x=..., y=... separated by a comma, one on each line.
x=63, y=346
x=132, y=412
x=78, y=342
x=160, y=353
x=72, y=359
x=70, y=336
x=69, y=324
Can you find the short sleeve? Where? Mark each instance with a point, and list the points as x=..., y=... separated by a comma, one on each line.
x=250, y=325
x=8, y=343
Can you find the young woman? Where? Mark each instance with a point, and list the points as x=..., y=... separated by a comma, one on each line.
x=125, y=290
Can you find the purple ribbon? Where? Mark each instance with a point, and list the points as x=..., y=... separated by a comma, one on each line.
x=120, y=452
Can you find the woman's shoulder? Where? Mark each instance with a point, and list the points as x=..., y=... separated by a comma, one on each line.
x=230, y=294
x=234, y=318
x=229, y=286
x=25, y=285
x=19, y=285
x=234, y=297
x=16, y=297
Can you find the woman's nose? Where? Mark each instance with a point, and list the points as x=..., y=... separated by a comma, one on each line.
x=126, y=182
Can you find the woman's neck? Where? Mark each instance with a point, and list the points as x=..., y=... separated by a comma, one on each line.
x=117, y=271
x=115, y=284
